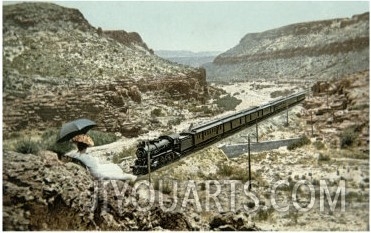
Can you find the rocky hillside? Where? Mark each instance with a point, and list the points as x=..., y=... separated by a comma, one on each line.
x=58, y=67
x=314, y=50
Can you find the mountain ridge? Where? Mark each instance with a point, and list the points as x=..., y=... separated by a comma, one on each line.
x=313, y=46
x=185, y=53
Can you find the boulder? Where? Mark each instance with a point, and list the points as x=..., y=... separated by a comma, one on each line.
x=229, y=221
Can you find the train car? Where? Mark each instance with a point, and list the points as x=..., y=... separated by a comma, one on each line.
x=266, y=110
x=207, y=131
x=186, y=142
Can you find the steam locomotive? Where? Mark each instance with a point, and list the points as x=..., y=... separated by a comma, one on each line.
x=168, y=148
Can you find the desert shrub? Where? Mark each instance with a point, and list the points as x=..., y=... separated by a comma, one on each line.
x=354, y=196
x=49, y=142
x=166, y=188
x=193, y=109
x=135, y=94
x=235, y=172
x=315, y=182
x=264, y=214
x=102, y=138
x=354, y=154
x=226, y=170
x=323, y=157
x=228, y=102
x=175, y=121
x=319, y=145
x=156, y=112
x=99, y=31
x=11, y=135
x=241, y=175
x=60, y=148
x=359, y=107
x=349, y=136
x=304, y=140
x=206, y=110
x=280, y=93
x=27, y=146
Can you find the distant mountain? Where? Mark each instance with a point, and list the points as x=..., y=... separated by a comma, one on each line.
x=57, y=67
x=189, y=58
x=185, y=53
x=311, y=50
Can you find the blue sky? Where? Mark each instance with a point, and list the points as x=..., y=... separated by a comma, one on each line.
x=206, y=25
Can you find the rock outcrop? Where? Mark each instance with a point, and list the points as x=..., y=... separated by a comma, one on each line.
x=57, y=67
x=232, y=222
x=128, y=38
x=314, y=50
x=41, y=192
x=338, y=106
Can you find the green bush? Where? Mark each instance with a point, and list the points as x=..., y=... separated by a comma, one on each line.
x=264, y=214
x=156, y=112
x=175, y=121
x=102, y=138
x=49, y=142
x=319, y=145
x=166, y=187
x=226, y=170
x=323, y=157
x=304, y=140
x=349, y=136
x=11, y=135
x=27, y=146
x=234, y=172
x=280, y=93
x=228, y=102
x=60, y=148
x=242, y=175
x=206, y=110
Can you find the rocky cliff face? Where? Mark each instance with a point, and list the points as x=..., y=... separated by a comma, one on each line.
x=319, y=49
x=57, y=67
x=127, y=38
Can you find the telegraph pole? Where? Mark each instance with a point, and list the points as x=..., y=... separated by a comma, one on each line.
x=248, y=149
x=148, y=163
x=311, y=121
x=256, y=129
x=287, y=114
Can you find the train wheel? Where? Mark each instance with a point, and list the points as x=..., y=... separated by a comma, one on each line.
x=168, y=158
x=163, y=161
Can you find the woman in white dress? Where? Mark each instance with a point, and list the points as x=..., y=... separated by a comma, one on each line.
x=99, y=169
